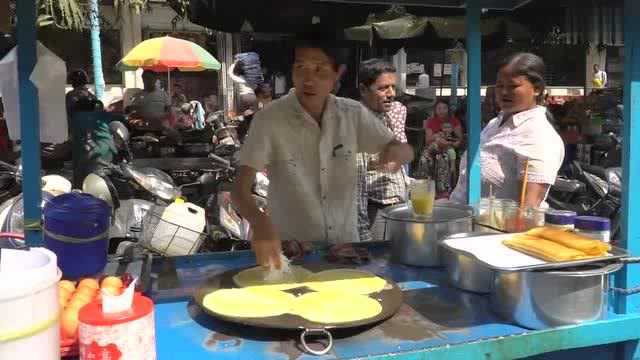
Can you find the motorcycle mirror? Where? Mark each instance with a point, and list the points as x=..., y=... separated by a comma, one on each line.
x=120, y=133
x=208, y=182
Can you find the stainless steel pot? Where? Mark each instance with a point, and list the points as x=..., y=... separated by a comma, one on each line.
x=416, y=240
x=464, y=271
x=544, y=299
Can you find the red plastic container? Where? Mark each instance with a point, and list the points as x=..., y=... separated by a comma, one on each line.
x=127, y=335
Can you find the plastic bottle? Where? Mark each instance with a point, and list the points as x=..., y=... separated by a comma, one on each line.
x=595, y=227
x=560, y=219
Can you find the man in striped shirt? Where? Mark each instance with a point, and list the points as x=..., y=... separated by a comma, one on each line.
x=378, y=189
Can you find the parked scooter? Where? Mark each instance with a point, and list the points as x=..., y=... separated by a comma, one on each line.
x=12, y=209
x=226, y=228
x=589, y=190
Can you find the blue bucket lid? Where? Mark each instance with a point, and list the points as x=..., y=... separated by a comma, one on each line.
x=593, y=223
x=64, y=212
x=560, y=217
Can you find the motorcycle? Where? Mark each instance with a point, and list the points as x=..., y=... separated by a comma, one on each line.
x=12, y=208
x=589, y=190
x=225, y=226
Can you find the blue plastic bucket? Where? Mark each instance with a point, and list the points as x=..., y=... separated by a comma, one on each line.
x=76, y=229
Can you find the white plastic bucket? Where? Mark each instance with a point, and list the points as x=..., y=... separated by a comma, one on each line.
x=29, y=308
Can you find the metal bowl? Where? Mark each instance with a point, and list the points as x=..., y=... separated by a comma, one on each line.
x=465, y=272
x=416, y=240
x=544, y=299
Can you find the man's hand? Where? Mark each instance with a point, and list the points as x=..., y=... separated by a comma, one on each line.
x=264, y=240
x=266, y=243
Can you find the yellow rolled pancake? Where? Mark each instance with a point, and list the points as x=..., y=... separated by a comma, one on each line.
x=330, y=307
x=572, y=240
x=259, y=277
x=543, y=249
x=249, y=302
x=346, y=281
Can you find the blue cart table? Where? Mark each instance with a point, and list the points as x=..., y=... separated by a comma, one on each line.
x=435, y=322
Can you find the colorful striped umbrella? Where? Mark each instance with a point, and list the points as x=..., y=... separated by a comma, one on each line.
x=165, y=54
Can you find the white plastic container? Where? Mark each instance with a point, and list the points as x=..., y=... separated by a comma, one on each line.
x=29, y=308
x=179, y=229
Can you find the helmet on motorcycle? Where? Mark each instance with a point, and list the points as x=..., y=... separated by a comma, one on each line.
x=102, y=188
x=119, y=132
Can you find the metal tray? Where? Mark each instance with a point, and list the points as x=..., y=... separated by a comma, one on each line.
x=390, y=298
x=616, y=255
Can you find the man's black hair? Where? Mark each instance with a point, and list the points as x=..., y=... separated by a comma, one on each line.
x=78, y=78
x=325, y=41
x=371, y=69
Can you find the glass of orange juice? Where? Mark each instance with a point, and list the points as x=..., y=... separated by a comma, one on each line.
x=422, y=195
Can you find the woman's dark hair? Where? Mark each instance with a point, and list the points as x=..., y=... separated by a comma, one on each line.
x=78, y=78
x=530, y=66
x=371, y=69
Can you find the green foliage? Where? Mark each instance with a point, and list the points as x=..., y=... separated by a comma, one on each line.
x=64, y=14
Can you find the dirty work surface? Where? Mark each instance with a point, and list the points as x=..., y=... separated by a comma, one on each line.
x=433, y=315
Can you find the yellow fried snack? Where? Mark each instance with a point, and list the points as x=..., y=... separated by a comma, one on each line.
x=249, y=302
x=346, y=281
x=258, y=277
x=572, y=240
x=329, y=307
x=543, y=249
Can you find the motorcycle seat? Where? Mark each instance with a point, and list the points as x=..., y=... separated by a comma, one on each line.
x=568, y=185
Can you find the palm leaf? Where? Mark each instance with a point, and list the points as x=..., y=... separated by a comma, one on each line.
x=65, y=14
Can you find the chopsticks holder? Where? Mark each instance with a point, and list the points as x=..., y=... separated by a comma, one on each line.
x=523, y=192
x=520, y=225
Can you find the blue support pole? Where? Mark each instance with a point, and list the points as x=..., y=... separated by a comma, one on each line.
x=96, y=51
x=474, y=46
x=29, y=120
x=630, y=275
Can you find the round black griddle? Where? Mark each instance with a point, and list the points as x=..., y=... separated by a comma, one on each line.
x=390, y=298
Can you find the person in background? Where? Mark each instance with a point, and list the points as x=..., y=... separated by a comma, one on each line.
x=152, y=105
x=245, y=94
x=377, y=189
x=439, y=143
x=490, y=108
x=308, y=141
x=599, y=77
x=520, y=135
x=264, y=95
x=80, y=93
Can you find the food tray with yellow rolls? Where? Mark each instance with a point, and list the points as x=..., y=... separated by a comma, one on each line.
x=537, y=249
x=314, y=303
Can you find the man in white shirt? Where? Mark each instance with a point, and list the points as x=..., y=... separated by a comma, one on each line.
x=308, y=141
x=599, y=77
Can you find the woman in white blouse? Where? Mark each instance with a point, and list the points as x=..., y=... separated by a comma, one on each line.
x=520, y=133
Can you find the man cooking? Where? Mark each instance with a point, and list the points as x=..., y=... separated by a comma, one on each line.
x=379, y=189
x=308, y=141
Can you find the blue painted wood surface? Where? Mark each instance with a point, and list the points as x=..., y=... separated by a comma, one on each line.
x=474, y=59
x=436, y=322
x=29, y=119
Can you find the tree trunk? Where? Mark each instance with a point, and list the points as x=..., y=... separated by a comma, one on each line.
x=96, y=53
